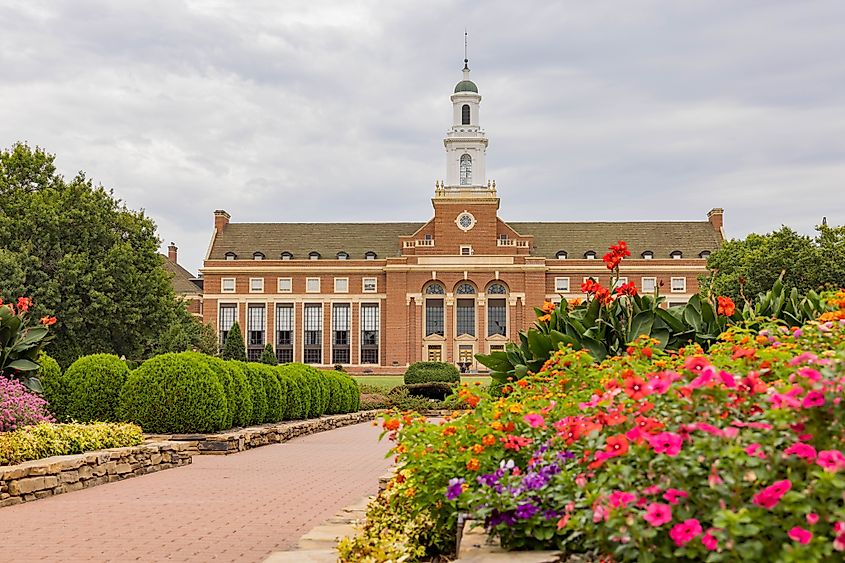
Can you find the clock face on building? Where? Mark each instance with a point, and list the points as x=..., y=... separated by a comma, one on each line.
x=465, y=221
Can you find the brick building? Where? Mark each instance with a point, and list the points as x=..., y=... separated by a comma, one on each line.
x=376, y=297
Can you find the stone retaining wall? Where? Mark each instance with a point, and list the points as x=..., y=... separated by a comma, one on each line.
x=50, y=476
x=242, y=439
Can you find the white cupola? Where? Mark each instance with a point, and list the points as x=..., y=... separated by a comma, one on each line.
x=465, y=142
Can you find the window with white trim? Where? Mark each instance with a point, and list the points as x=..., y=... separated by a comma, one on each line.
x=256, y=285
x=369, y=285
x=284, y=332
x=341, y=285
x=340, y=333
x=466, y=250
x=648, y=285
x=312, y=333
x=465, y=317
x=226, y=318
x=497, y=317
x=369, y=333
x=227, y=285
x=256, y=320
x=679, y=285
x=561, y=285
x=285, y=285
x=312, y=285
x=619, y=282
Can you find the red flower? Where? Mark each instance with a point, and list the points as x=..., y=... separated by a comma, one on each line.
x=725, y=306
x=48, y=321
x=616, y=445
x=24, y=304
x=635, y=388
x=627, y=289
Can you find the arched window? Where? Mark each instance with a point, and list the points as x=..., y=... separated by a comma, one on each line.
x=465, y=114
x=231, y=256
x=465, y=289
x=287, y=256
x=590, y=255
x=435, y=289
x=648, y=255
x=342, y=255
x=497, y=289
x=561, y=255
x=314, y=255
x=704, y=254
x=258, y=256
x=676, y=255
x=370, y=255
x=466, y=170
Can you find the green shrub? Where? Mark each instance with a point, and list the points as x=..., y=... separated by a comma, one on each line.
x=372, y=401
x=242, y=392
x=233, y=347
x=259, y=394
x=268, y=356
x=319, y=392
x=174, y=393
x=224, y=374
x=47, y=439
x=427, y=372
x=93, y=385
x=337, y=392
x=294, y=401
x=306, y=390
x=50, y=376
x=436, y=390
x=272, y=390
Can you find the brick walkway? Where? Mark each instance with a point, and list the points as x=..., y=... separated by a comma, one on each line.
x=234, y=508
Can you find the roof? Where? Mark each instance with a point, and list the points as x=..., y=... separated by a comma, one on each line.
x=466, y=86
x=182, y=279
x=661, y=237
x=271, y=239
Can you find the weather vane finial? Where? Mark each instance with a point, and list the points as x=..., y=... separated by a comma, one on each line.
x=466, y=58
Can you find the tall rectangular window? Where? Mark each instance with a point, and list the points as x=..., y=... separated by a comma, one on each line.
x=284, y=332
x=256, y=325
x=226, y=318
x=434, y=317
x=648, y=285
x=369, y=333
x=340, y=333
x=465, y=313
x=497, y=317
x=312, y=331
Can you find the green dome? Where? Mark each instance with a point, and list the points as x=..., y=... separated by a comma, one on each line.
x=466, y=86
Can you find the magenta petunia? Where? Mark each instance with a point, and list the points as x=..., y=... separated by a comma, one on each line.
x=813, y=399
x=672, y=496
x=658, y=514
x=802, y=450
x=831, y=460
x=800, y=535
x=709, y=540
x=535, y=420
x=769, y=497
x=685, y=532
x=666, y=443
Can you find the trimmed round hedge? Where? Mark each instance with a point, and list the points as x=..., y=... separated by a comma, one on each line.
x=50, y=376
x=304, y=397
x=224, y=374
x=92, y=387
x=429, y=372
x=272, y=391
x=294, y=402
x=242, y=392
x=343, y=392
x=174, y=393
x=255, y=378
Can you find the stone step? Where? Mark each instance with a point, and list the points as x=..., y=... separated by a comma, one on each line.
x=303, y=556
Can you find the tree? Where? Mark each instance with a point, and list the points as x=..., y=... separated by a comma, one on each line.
x=750, y=266
x=268, y=356
x=83, y=257
x=233, y=347
x=187, y=333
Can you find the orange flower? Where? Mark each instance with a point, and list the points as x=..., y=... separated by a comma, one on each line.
x=449, y=431
x=48, y=321
x=24, y=304
x=544, y=318
x=725, y=306
x=477, y=449
x=548, y=307
x=488, y=440
x=391, y=424
x=473, y=464
x=496, y=425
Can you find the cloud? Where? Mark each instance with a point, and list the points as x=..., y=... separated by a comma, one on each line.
x=331, y=111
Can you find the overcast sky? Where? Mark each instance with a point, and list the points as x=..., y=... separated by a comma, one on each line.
x=335, y=111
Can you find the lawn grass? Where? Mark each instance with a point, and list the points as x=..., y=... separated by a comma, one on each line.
x=391, y=381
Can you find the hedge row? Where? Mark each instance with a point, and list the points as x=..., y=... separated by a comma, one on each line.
x=192, y=392
x=48, y=439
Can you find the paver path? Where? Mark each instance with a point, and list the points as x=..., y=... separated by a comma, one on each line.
x=221, y=508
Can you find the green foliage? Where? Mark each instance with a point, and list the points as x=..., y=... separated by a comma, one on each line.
x=187, y=333
x=268, y=356
x=306, y=396
x=82, y=256
x=46, y=439
x=436, y=390
x=294, y=405
x=744, y=268
x=50, y=376
x=92, y=387
x=242, y=392
x=374, y=401
x=21, y=342
x=272, y=390
x=426, y=372
x=342, y=392
x=233, y=347
x=255, y=379
x=174, y=393
x=225, y=374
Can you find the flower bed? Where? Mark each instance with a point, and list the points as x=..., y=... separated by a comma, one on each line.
x=732, y=455
x=45, y=440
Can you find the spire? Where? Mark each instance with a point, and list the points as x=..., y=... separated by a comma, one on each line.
x=466, y=57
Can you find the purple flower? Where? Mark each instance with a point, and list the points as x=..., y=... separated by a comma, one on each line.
x=533, y=481
x=565, y=455
x=455, y=488
x=497, y=518
x=489, y=479
x=526, y=510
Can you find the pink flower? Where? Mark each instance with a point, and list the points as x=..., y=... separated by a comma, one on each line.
x=666, y=443
x=782, y=401
x=620, y=498
x=770, y=496
x=659, y=385
x=753, y=450
x=831, y=460
x=709, y=540
x=696, y=363
x=813, y=399
x=600, y=513
x=658, y=514
x=535, y=420
x=810, y=373
x=709, y=428
x=800, y=535
x=652, y=490
x=707, y=375
x=673, y=495
x=812, y=518
x=802, y=450
x=727, y=379
x=684, y=532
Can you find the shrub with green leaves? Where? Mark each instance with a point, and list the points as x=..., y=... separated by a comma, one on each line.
x=174, y=393
x=255, y=379
x=224, y=374
x=48, y=439
x=50, y=376
x=428, y=372
x=233, y=347
x=290, y=375
x=272, y=391
x=93, y=385
x=268, y=356
x=242, y=392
